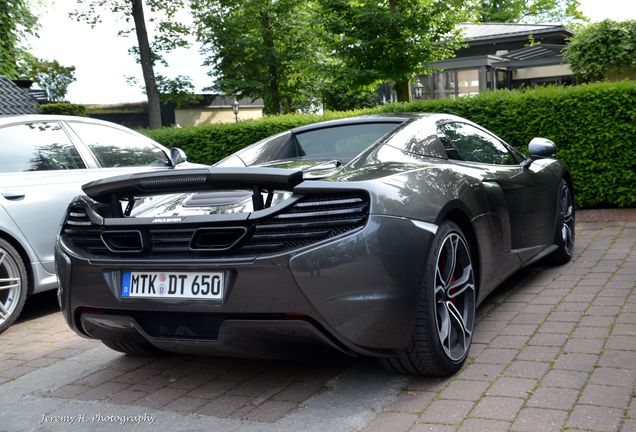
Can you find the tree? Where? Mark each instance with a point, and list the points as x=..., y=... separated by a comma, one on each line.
x=604, y=50
x=514, y=11
x=16, y=23
x=168, y=28
x=178, y=90
x=392, y=40
x=52, y=77
x=262, y=48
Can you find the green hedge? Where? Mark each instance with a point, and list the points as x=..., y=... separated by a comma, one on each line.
x=593, y=125
x=63, y=108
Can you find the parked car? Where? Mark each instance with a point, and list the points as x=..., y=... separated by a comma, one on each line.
x=376, y=236
x=44, y=161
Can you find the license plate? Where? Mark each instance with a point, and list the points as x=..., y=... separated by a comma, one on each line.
x=189, y=285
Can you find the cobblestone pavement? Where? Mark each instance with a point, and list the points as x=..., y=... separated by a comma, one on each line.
x=554, y=349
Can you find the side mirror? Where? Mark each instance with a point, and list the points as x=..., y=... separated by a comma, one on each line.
x=541, y=147
x=177, y=156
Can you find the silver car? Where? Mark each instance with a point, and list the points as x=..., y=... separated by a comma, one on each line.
x=44, y=160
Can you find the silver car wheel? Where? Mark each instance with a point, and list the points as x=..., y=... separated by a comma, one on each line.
x=10, y=285
x=567, y=219
x=454, y=297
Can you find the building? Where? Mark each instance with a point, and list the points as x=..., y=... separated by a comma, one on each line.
x=218, y=109
x=14, y=99
x=497, y=55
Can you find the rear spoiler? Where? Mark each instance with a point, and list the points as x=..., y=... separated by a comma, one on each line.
x=112, y=189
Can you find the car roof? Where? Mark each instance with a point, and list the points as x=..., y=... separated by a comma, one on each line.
x=364, y=119
x=11, y=119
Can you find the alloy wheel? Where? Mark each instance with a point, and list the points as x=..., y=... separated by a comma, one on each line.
x=454, y=297
x=567, y=219
x=10, y=285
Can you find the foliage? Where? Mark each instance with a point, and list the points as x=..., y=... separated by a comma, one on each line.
x=52, y=77
x=392, y=40
x=262, y=48
x=16, y=23
x=538, y=11
x=603, y=49
x=178, y=90
x=63, y=108
x=170, y=34
x=593, y=125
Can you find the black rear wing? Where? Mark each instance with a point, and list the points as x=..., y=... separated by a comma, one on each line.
x=129, y=186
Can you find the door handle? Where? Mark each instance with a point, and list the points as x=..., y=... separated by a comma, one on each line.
x=14, y=195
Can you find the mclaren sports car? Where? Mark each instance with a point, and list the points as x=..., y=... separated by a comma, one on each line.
x=375, y=236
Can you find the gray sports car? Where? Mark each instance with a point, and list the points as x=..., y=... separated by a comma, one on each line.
x=376, y=236
x=44, y=161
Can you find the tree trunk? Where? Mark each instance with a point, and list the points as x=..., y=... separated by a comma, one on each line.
x=402, y=90
x=272, y=64
x=145, y=57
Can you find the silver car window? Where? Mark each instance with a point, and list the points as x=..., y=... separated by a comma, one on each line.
x=117, y=148
x=38, y=146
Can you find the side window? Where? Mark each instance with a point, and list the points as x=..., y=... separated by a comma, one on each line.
x=465, y=142
x=37, y=147
x=117, y=148
x=266, y=150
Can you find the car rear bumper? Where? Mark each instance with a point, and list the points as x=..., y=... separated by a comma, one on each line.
x=357, y=292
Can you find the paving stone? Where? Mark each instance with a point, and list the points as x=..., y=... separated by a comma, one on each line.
x=519, y=330
x=161, y=397
x=102, y=391
x=556, y=327
x=613, y=377
x=539, y=420
x=555, y=398
x=618, y=359
x=590, y=346
x=480, y=371
x=126, y=396
x=388, y=421
x=272, y=411
x=429, y=427
x=299, y=391
x=446, y=411
x=615, y=397
x=591, y=332
x=596, y=321
x=512, y=387
x=617, y=343
x=99, y=377
x=514, y=342
x=483, y=425
x=595, y=418
x=411, y=402
x=624, y=330
x=497, y=408
x=565, y=379
x=185, y=404
x=576, y=361
x=548, y=339
x=527, y=369
x=68, y=391
x=223, y=406
x=539, y=353
x=464, y=390
x=497, y=355
x=213, y=389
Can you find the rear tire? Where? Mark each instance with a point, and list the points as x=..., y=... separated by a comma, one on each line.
x=564, y=235
x=140, y=349
x=445, y=317
x=14, y=283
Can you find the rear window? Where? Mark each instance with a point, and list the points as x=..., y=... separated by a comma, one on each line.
x=340, y=142
x=37, y=147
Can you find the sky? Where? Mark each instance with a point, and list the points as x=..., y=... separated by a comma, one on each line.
x=102, y=62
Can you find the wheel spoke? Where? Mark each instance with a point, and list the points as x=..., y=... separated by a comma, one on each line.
x=444, y=327
x=453, y=258
x=462, y=284
x=457, y=323
x=3, y=311
x=2, y=255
